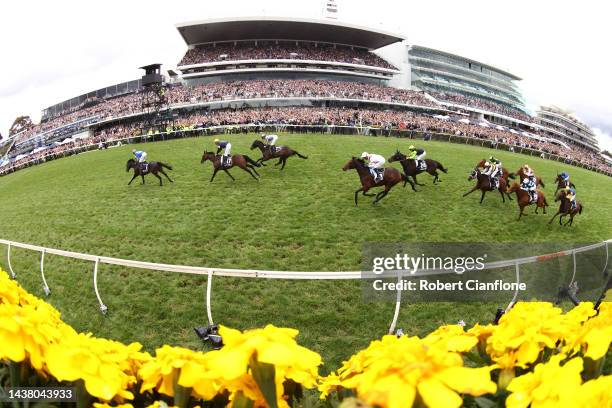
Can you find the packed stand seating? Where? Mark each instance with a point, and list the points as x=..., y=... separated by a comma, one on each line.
x=294, y=88
x=481, y=104
x=282, y=50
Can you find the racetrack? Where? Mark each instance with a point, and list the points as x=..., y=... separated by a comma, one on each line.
x=302, y=218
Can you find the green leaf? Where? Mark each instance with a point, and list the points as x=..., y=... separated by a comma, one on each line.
x=483, y=402
x=264, y=374
x=241, y=401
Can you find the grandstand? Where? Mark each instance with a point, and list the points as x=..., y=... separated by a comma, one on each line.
x=560, y=124
x=471, y=85
x=256, y=48
x=280, y=71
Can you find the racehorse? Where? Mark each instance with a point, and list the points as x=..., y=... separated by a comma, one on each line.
x=521, y=175
x=505, y=174
x=153, y=168
x=391, y=177
x=283, y=153
x=565, y=208
x=411, y=170
x=561, y=183
x=523, y=199
x=238, y=160
x=484, y=184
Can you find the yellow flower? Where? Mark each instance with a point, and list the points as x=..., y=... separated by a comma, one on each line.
x=105, y=366
x=394, y=372
x=451, y=338
x=594, y=336
x=524, y=332
x=594, y=393
x=549, y=385
x=270, y=345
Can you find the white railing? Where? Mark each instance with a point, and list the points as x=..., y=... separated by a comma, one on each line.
x=255, y=273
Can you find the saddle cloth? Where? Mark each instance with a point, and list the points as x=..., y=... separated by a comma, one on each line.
x=226, y=161
x=422, y=165
x=378, y=174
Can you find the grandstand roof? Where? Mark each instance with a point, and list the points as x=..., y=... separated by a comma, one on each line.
x=284, y=28
x=491, y=67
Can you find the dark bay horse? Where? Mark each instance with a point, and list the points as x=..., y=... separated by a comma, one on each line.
x=411, y=170
x=238, y=160
x=565, y=208
x=521, y=175
x=562, y=184
x=523, y=199
x=391, y=177
x=152, y=167
x=282, y=154
x=483, y=183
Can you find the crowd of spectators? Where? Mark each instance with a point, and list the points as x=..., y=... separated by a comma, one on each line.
x=328, y=118
x=481, y=104
x=176, y=95
x=295, y=88
x=385, y=119
x=248, y=50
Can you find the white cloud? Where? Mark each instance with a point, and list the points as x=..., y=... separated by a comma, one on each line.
x=604, y=139
x=52, y=51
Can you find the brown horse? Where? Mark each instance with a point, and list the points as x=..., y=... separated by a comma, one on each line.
x=565, y=208
x=521, y=175
x=484, y=184
x=152, y=168
x=411, y=170
x=505, y=173
x=562, y=184
x=523, y=199
x=391, y=177
x=283, y=153
x=238, y=160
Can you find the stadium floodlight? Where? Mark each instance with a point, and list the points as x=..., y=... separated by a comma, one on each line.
x=210, y=333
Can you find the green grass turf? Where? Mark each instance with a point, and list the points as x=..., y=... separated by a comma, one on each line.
x=302, y=218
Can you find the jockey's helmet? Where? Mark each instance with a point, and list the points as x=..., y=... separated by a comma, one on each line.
x=216, y=141
x=263, y=135
x=133, y=150
x=411, y=147
x=365, y=155
x=564, y=175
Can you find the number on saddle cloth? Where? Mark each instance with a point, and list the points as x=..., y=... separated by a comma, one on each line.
x=422, y=165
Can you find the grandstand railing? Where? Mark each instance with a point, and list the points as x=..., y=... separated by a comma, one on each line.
x=255, y=273
x=362, y=130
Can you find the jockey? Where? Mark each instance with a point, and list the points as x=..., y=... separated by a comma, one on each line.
x=529, y=182
x=565, y=178
x=570, y=194
x=270, y=140
x=375, y=163
x=226, y=147
x=415, y=154
x=141, y=157
x=492, y=168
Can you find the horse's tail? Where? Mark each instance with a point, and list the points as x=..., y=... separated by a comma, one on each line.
x=251, y=161
x=580, y=208
x=441, y=167
x=542, y=182
x=299, y=155
x=511, y=176
x=544, y=200
x=169, y=167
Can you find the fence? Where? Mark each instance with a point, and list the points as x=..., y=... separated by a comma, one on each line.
x=254, y=273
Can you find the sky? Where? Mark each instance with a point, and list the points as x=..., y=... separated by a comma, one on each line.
x=51, y=51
